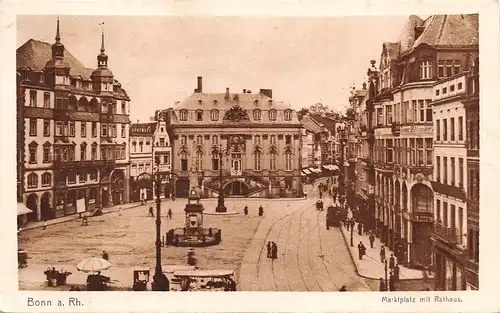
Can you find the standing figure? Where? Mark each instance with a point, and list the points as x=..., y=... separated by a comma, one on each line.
x=382, y=254
x=169, y=213
x=361, y=250
x=269, y=248
x=392, y=281
x=245, y=210
x=44, y=224
x=382, y=285
x=391, y=261
x=360, y=228
x=372, y=240
x=151, y=211
x=261, y=210
x=274, y=250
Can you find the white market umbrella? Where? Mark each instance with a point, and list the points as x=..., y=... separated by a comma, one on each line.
x=93, y=264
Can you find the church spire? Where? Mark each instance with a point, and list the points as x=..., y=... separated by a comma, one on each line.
x=58, y=47
x=58, y=34
x=102, y=58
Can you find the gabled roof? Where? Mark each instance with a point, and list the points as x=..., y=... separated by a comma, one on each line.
x=329, y=123
x=310, y=124
x=450, y=30
x=407, y=35
x=143, y=128
x=35, y=54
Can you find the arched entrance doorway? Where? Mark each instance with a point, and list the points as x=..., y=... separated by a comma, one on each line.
x=236, y=188
x=117, y=180
x=143, y=187
x=32, y=204
x=422, y=200
x=45, y=208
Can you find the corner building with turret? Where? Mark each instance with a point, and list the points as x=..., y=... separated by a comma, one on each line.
x=73, y=131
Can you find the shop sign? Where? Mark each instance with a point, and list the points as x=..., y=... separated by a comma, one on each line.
x=417, y=130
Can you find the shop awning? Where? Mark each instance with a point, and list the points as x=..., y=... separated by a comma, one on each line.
x=22, y=209
x=306, y=171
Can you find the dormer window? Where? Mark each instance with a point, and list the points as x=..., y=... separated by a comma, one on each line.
x=214, y=115
x=200, y=102
x=256, y=103
x=270, y=102
x=199, y=115
x=257, y=115
x=425, y=69
x=272, y=115
x=215, y=102
x=288, y=115
x=183, y=115
x=124, y=107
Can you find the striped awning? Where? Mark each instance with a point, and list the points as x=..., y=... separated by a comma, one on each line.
x=22, y=209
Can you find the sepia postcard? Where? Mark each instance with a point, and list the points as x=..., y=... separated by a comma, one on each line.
x=277, y=152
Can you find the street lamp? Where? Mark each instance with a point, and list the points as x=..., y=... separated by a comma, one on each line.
x=160, y=281
x=221, y=208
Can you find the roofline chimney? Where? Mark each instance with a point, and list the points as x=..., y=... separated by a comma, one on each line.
x=200, y=84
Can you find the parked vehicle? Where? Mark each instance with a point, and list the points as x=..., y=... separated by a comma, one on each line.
x=333, y=216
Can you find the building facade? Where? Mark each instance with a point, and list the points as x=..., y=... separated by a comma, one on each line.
x=400, y=103
x=450, y=174
x=259, y=138
x=472, y=144
x=76, y=126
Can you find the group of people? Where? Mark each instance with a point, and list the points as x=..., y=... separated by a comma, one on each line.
x=272, y=250
x=393, y=271
x=261, y=210
x=151, y=212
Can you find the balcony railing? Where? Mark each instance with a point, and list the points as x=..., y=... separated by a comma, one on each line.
x=446, y=234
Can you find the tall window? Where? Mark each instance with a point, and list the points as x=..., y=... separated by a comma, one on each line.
x=414, y=109
x=438, y=169
x=46, y=128
x=288, y=161
x=438, y=211
x=441, y=68
x=460, y=172
x=215, y=161
x=445, y=214
x=460, y=225
x=257, y=159
x=199, y=115
x=83, y=129
x=445, y=170
x=445, y=130
x=215, y=140
x=421, y=110
x=257, y=139
x=94, y=129
x=199, y=140
x=397, y=112
x=272, y=139
x=413, y=152
x=123, y=131
x=272, y=161
x=183, y=140
x=460, y=128
x=425, y=69
x=288, y=115
x=428, y=110
x=199, y=160
x=420, y=151
x=449, y=68
x=46, y=154
x=380, y=116
x=162, y=142
x=388, y=114
x=46, y=179
x=257, y=114
x=83, y=152
x=32, y=153
x=33, y=123
x=33, y=98
x=184, y=161
x=288, y=139
x=453, y=171
x=32, y=180
x=183, y=115
x=272, y=115
x=438, y=130
x=72, y=129
x=93, y=152
x=214, y=115
x=104, y=130
x=113, y=131
x=390, y=151
x=404, y=151
x=428, y=150
x=405, y=112
x=452, y=129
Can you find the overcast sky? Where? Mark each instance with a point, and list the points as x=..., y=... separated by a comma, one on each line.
x=157, y=59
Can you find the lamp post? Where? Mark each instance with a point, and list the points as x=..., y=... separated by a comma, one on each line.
x=352, y=243
x=221, y=208
x=160, y=281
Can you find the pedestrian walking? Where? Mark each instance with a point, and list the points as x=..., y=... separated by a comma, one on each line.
x=372, y=240
x=169, y=213
x=382, y=285
x=120, y=211
x=274, y=250
x=261, y=210
x=245, y=210
x=353, y=222
x=396, y=272
x=151, y=211
x=269, y=255
x=391, y=261
x=44, y=224
x=360, y=228
x=105, y=255
x=361, y=250
x=382, y=254
x=392, y=282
